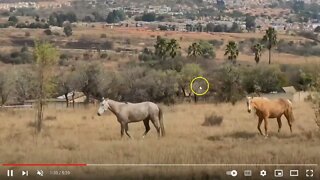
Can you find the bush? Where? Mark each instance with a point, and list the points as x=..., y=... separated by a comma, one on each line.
x=56, y=33
x=50, y=118
x=212, y=120
x=308, y=35
x=229, y=87
x=107, y=45
x=13, y=19
x=263, y=79
x=37, y=25
x=302, y=49
x=21, y=25
x=16, y=57
x=154, y=85
x=103, y=36
x=27, y=34
x=207, y=50
x=14, y=54
x=149, y=17
x=116, y=16
x=67, y=30
x=104, y=56
x=48, y=32
x=216, y=43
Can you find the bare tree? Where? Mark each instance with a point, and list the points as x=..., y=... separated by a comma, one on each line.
x=24, y=85
x=67, y=82
x=91, y=79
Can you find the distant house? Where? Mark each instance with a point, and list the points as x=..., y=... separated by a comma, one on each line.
x=288, y=89
x=79, y=97
x=290, y=93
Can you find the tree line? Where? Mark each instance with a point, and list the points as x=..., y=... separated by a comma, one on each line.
x=163, y=75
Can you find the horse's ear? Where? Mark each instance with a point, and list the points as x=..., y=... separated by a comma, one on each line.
x=102, y=99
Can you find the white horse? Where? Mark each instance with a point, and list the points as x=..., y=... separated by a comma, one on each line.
x=134, y=112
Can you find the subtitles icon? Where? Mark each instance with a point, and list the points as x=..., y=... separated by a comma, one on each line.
x=247, y=173
x=278, y=173
x=232, y=173
x=294, y=173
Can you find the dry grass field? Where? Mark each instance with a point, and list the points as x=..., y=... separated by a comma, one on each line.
x=80, y=136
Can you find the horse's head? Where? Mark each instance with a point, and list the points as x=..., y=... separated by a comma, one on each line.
x=104, y=106
x=249, y=99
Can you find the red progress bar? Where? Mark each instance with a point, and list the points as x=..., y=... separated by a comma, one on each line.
x=43, y=165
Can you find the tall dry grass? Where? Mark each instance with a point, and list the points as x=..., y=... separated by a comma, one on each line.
x=80, y=136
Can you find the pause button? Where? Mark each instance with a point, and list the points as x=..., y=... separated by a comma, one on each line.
x=9, y=173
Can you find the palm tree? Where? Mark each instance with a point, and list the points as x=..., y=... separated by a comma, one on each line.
x=270, y=38
x=232, y=51
x=257, y=50
x=173, y=47
x=195, y=50
x=161, y=47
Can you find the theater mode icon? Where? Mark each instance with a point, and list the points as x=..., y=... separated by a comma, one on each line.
x=294, y=173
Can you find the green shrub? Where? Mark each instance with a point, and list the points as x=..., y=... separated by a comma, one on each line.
x=229, y=87
x=263, y=79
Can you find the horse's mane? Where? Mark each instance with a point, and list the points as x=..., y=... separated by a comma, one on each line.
x=259, y=98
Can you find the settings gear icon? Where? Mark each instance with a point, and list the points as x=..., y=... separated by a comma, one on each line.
x=263, y=173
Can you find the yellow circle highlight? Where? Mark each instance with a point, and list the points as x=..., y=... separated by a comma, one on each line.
x=207, y=82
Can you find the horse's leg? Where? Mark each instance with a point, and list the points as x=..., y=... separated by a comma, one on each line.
x=279, y=123
x=266, y=126
x=127, y=129
x=155, y=122
x=147, y=126
x=289, y=122
x=122, y=129
x=259, y=124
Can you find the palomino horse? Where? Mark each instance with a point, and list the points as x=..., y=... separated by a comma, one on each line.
x=266, y=108
x=134, y=112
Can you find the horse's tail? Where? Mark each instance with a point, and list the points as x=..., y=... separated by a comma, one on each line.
x=290, y=112
x=163, y=133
